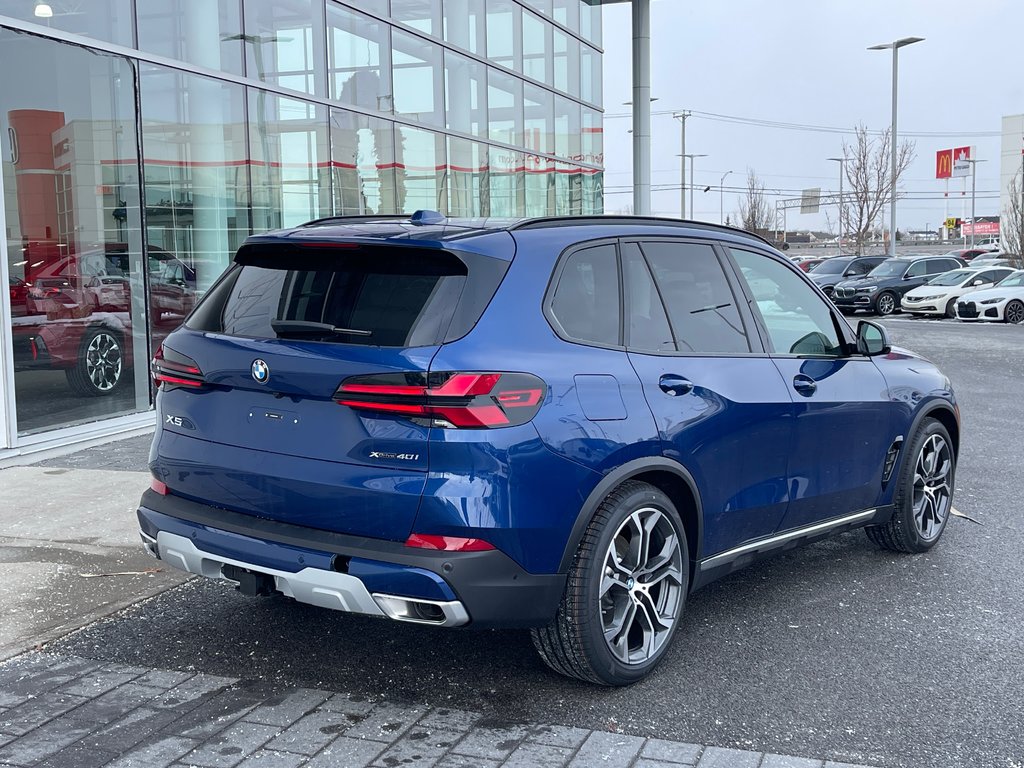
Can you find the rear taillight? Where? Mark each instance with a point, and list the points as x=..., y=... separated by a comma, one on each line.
x=448, y=399
x=173, y=369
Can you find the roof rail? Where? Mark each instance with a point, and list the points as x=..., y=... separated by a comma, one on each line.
x=357, y=218
x=572, y=221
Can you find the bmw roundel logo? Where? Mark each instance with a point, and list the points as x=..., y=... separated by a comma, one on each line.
x=260, y=371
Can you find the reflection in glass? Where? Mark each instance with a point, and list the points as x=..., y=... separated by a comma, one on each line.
x=421, y=170
x=363, y=164
x=73, y=228
x=465, y=89
x=592, y=137
x=207, y=34
x=567, y=128
x=567, y=12
x=568, y=190
x=360, y=67
x=566, y=76
x=468, y=183
x=424, y=15
x=505, y=33
x=536, y=47
x=590, y=21
x=538, y=118
x=419, y=84
x=590, y=75
x=504, y=107
x=540, y=186
x=508, y=187
x=284, y=44
x=102, y=19
x=195, y=170
x=464, y=24
x=290, y=152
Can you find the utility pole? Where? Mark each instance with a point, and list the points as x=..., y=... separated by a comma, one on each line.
x=693, y=163
x=682, y=162
x=842, y=171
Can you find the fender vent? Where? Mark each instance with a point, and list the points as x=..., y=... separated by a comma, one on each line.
x=890, y=459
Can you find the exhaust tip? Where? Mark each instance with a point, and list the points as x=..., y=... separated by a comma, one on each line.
x=417, y=611
x=149, y=544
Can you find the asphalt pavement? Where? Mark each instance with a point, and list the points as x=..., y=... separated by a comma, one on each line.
x=836, y=651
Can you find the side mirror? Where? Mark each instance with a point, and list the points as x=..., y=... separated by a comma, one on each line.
x=872, y=339
x=979, y=281
x=909, y=276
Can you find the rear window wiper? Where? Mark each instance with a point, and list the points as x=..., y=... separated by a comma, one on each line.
x=302, y=327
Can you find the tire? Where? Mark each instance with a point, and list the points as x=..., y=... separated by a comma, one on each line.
x=1014, y=312
x=99, y=370
x=609, y=588
x=951, y=309
x=885, y=303
x=920, y=516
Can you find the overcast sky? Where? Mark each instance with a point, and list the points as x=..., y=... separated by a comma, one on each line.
x=805, y=61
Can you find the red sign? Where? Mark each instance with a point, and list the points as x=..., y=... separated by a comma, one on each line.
x=962, y=161
x=981, y=228
x=944, y=164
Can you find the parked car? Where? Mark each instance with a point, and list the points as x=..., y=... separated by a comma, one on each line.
x=967, y=254
x=989, y=244
x=19, y=295
x=412, y=419
x=1003, y=302
x=78, y=316
x=881, y=289
x=995, y=260
x=838, y=268
x=939, y=295
x=809, y=263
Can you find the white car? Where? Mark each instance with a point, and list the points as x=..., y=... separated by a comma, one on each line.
x=1001, y=302
x=939, y=296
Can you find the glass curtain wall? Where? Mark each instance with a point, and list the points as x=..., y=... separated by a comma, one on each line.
x=469, y=107
x=74, y=233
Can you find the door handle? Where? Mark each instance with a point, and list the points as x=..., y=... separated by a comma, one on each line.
x=805, y=385
x=675, y=385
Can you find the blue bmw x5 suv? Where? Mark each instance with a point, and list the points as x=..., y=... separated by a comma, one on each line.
x=567, y=424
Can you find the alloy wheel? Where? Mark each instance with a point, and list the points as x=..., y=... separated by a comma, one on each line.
x=641, y=586
x=103, y=362
x=1015, y=312
x=932, y=493
x=886, y=304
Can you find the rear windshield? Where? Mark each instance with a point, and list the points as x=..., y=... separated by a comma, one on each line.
x=833, y=266
x=372, y=296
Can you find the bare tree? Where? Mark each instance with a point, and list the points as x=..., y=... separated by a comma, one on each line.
x=869, y=180
x=1012, y=223
x=756, y=213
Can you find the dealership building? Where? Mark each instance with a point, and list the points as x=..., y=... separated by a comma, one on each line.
x=141, y=141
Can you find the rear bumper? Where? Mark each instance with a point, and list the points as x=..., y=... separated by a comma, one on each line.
x=349, y=573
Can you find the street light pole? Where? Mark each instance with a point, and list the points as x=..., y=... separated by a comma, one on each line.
x=692, y=163
x=721, y=198
x=842, y=171
x=895, y=46
x=682, y=166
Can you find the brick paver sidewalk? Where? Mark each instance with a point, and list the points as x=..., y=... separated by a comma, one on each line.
x=69, y=712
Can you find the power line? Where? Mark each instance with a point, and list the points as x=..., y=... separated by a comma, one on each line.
x=810, y=128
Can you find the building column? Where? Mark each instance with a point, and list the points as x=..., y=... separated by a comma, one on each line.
x=641, y=107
